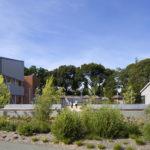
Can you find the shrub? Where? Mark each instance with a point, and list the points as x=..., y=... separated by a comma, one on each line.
x=67, y=141
x=7, y=125
x=146, y=131
x=89, y=137
x=67, y=126
x=139, y=141
x=40, y=126
x=55, y=141
x=25, y=129
x=117, y=147
x=44, y=102
x=97, y=138
x=105, y=122
x=111, y=140
x=79, y=143
x=132, y=136
x=34, y=139
x=129, y=148
x=45, y=140
x=125, y=143
x=101, y=146
x=90, y=146
x=133, y=129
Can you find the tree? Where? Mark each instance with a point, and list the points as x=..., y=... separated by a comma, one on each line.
x=92, y=95
x=94, y=76
x=136, y=75
x=4, y=93
x=129, y=95
x=110, y=85
x=64, y=77
x=44, y=102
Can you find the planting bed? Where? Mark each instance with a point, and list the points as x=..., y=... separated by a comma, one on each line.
x=109, y=144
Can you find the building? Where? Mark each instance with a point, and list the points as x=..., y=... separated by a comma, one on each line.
x=118, y=99
x=13, y=73
x=145, y=94
x=30, y=84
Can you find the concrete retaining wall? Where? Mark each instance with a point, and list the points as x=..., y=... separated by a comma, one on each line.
x=17, y=113
x=136, y=111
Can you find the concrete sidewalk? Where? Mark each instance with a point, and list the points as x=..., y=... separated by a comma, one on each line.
x=17, y=146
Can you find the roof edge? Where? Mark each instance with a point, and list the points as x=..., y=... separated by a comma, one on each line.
x=148, y=84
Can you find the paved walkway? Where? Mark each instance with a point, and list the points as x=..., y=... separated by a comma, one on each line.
x=16, y=146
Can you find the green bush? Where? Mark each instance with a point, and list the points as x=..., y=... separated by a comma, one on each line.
x=67, y=141
x=67, y=126
x=7, y=125
x=129, y=148
x=28, y=129
x=45, y=140
x=111, y=140
x=79, y=143
x=89, y=137
x=101, y=146
x=105, y=122
x=125, y=143
x=98, y=138
x=146, y=131
x=25, y=129
x=34, y=139
x=90, y=146
x=117, y=147
x=133, y=136
x=40, y=126
x=139, y=141
x=55, y=141
x=133, y=129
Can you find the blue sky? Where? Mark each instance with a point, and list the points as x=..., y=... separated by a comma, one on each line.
x=50, y=33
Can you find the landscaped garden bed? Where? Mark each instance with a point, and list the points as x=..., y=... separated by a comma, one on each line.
x=105, y=128
x=109, y=144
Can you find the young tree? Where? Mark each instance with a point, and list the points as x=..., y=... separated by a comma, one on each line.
x=44, y=102
x=129, y=95
x=4, y=93
x=92, y=95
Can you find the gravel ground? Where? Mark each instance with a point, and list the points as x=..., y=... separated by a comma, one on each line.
x=18, y=146
x=9, y=138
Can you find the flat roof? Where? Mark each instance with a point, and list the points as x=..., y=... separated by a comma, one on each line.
x=11, y=59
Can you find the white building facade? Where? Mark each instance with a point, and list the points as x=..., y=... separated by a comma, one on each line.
x=145, y=94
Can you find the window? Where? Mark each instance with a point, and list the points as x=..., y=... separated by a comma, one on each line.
x=143, y=99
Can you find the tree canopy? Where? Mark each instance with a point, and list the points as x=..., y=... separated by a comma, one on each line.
x=104, y=81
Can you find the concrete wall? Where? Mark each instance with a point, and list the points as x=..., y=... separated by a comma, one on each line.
x=17, y=113
x=129, y=107
x=27, y=109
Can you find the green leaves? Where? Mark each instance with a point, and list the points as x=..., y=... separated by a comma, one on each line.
x=44, y=102
x=4, y=93
x=129, y=95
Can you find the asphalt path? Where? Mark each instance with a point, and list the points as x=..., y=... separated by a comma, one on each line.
x=17, y=146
